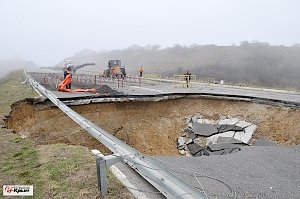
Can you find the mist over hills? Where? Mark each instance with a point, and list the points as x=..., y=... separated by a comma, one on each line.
x=257, y=63
x=9, y=65
x=254, y=64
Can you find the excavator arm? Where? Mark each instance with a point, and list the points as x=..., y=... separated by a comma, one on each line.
x=76, y=67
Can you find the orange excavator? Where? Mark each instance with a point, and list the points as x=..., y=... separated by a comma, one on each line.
x=62, y=86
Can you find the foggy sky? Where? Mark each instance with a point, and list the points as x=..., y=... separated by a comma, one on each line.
x=47, y=31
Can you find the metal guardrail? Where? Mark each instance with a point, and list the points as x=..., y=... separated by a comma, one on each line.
x=152, y=78
x=167, y=183
x=185, y=80
x=52, y=80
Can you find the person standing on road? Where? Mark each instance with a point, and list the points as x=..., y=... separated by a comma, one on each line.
x=141, y=71
x=68, y=71
x=187, y=78
x=65, y=72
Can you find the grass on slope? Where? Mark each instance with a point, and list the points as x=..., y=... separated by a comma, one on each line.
x=55, y=171
x=12, y=89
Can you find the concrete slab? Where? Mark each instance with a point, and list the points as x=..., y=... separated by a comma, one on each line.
x=180, y=143
x=188, y=130
x=195, y=118
x=181, y=151
x=202, y=152
x=194, y=148
x=229, y=140
x=233, y=121
x=62, y=95
x=228, y=151
x=243, y=124
x=192, y=136
x=247, y=135
x=225, y=121
x=218, y=147
x=213, y=139
x=221, y=152
x=205, y=121
x=204, y=129
x=190, y=141
x=228, y=127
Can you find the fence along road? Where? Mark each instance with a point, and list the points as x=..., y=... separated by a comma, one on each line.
x=168, y=184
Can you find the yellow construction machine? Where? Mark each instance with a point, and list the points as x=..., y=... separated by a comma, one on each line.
x=115, y=69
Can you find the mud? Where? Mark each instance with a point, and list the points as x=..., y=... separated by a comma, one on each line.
x=150, y=127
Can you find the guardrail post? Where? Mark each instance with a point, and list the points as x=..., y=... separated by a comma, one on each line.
x=102, y=163
x=101, y=175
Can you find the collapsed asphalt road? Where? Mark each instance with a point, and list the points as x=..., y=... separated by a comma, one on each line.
x=254, y=172
x=152, y=128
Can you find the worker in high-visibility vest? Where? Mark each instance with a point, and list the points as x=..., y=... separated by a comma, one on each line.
x=141, y=71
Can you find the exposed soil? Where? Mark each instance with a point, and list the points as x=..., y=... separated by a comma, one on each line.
x=150, y=127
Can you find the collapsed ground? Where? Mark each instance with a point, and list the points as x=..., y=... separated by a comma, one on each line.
x=36, y=161
x=150, y=127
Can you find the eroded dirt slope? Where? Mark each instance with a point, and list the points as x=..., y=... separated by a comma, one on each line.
x=150, y=127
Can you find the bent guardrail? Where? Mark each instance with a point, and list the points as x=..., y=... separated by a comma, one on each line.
x=167, y=183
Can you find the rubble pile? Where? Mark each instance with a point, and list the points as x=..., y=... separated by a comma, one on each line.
x=209, y=137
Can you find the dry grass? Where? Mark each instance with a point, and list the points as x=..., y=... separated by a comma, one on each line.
x=12, y=90
x=55, y=171
x=19, y=161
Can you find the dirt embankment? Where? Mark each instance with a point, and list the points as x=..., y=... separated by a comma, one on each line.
x=150, y=127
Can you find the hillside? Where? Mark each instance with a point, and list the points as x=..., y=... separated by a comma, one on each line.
x=256, y=64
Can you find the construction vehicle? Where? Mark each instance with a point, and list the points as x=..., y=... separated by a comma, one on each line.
x=115, y=69
x=74, y=68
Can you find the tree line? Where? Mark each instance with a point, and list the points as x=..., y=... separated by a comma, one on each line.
x=256, y=64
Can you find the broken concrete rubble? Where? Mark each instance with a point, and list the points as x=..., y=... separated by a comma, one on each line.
x=188, y=130
x=228, y=127
x=224, y=121
x=213, y=139
x=205, y=121
x=194, y=148
x=229, y=140
x=246, y=135
x=218, y=147
x=204, y=129
x=224, y=151
x=243, y=124
x=216, y=137
x=180, y=143
x=233, y=121
x=192, y=136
